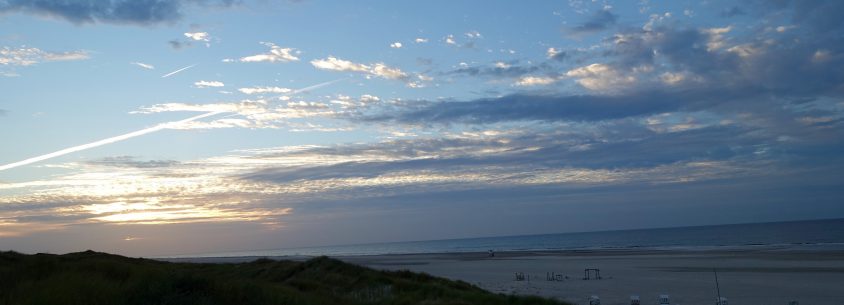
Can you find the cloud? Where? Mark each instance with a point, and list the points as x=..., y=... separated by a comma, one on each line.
x=526, y=81
x=521, y=107
x=131, y=162
x=450, y=40
x=26, y=56
x=599, y=21
x=203, y=37
x=143, y=65
x=198, y=36
x=601, y=77
x=556, y=54
x=206, y=84
x=420, y=40
x=137, y=12
x=378, y=69
x=291, y=115
x=276, y=54
x=498, y=70
x=396, y=45
x=336, y=64
x=262, y=90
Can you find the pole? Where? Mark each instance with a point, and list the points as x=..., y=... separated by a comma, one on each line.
x=717, y=287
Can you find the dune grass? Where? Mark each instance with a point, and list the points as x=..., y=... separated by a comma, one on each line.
x=99, y=278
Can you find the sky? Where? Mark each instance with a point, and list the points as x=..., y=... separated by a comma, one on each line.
x=156, y=127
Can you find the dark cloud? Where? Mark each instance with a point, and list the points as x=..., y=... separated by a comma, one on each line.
x=560, y=56
x=821, y=15
x=623, y=146
x=178, y=44
x=600, y=21
x=796, y=64
x=143, y=12
x=509, y=70
x=526, y=107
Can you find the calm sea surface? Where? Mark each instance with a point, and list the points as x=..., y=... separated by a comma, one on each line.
x=820, y=234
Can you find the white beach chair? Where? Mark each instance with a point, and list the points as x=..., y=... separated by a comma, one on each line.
x=663, y=299
x=634, y=300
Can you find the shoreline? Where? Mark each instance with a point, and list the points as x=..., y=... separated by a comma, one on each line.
x=835, y=250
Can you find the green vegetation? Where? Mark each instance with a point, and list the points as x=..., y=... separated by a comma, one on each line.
x=98, y=278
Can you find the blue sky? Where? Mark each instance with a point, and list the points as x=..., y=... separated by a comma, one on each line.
x=349, y=122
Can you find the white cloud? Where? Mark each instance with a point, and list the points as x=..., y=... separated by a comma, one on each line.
x=198, y=36
x=821, y=56
x=29, y=56
x=335, y=64
x=552, y=52
x=526, y=81
x=601, y=77
x=376, y=69
x=206, y=84
x=382, y=70
x=474, y=34
x=396, y=45
x=366, y=98
x=783, y=28
x=671, y=78
x=276, y=54
x=420, y=40
x=716, y=37
x=450, y=40
x=143, y=65
x=261, y=90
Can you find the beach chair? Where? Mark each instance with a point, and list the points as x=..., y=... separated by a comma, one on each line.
x=553, y=276
x=587, y=274
x=663, y=299
x=634, y=300
x=594, y=300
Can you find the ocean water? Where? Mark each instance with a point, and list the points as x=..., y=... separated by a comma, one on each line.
x=812, y=234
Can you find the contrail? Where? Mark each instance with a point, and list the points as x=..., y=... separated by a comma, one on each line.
x=105, y=141
x=177, y=71
x=309, y=88
x=139, y=132
x=312, y=87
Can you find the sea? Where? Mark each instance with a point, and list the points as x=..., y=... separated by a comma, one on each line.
x=827, y=234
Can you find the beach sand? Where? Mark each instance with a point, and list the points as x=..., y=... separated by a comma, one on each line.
x=758, y=277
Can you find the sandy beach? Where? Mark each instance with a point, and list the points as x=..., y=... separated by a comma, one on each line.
x=760, y=277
